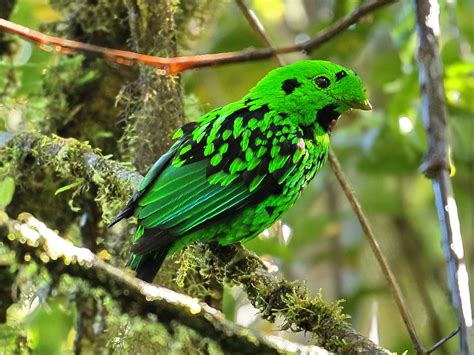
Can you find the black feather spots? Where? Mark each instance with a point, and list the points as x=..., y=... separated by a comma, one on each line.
x=280, y=173
x=322, y=82
x=247, y=114
x=308, y=132
x=286, y=148
x=189, y=127
x=321, y=158
x=270, y=210
x=234, y=149
x=340, y=75
x=247, y=177
x=248, y=101
x=289, y=85
x=195, y=153
x=327, y=116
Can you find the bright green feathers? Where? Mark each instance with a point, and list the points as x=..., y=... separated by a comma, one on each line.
x=235, y=171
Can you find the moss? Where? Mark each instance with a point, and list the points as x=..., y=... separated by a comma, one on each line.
x=80, y=96
x=100, y=322
x=81, y=91
x=70, y=159
x=127, y=334
x=154, y=103
x=154, y=112
x=276, y=297
x=92, y=21
x=38, y=182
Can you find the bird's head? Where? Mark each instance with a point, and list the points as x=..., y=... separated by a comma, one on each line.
x=312, y=91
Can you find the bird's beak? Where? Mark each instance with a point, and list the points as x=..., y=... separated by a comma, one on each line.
x=366, y=106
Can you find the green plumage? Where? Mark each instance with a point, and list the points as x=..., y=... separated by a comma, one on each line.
x=236, y=170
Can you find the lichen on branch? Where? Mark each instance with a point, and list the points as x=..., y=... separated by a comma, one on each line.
x=74, y=160
x=31, y=236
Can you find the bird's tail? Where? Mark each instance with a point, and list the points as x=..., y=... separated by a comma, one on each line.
x=148, y=265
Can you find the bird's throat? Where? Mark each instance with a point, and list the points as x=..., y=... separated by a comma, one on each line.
x=327, y=117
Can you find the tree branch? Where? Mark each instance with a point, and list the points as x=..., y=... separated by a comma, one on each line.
x=272, y=295
x=72, y=159
x=257, y=26
x=275, y=296
x=179, y=64
x=436, y=164
x=374, y=245
x=29, y=235
x=153, y=30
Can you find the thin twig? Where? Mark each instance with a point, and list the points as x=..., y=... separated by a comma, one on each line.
x=436, y=164
x=336, y=243
x=406, y=238
x=336, y=167
x=179, y=64
x=257, y=26
x=374, y=245
x=33, y=236
x=442, y=341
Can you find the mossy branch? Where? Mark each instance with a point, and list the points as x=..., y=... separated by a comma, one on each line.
x=155, y=106
x=72, y=159
x=268, y=292
x=59, y=256
x=275, y=296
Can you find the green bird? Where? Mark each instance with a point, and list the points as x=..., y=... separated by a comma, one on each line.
x=235, y=171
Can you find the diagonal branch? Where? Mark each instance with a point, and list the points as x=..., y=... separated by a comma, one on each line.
x=180, y=64
x=271, y=294
x=257, y=26
x=436, y=164
x=29, y=235
x=374, y=245
x=336, y=167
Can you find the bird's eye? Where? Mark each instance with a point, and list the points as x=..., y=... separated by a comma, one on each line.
x=322, y=82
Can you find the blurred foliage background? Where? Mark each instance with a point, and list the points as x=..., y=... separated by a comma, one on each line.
x=320, y=240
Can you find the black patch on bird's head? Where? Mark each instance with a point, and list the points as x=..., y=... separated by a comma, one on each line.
x=340, y=75
x=327, y=117
x=289, y=85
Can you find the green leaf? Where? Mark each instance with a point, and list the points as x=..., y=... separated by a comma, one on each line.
x=7, y=189
x=70, y=186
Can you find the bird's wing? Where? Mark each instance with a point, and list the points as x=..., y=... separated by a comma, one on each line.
x=153, y=174
x=226, y=164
